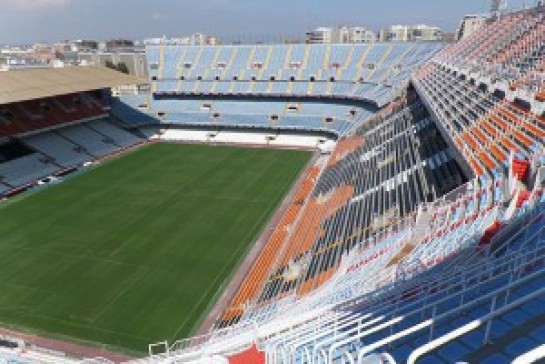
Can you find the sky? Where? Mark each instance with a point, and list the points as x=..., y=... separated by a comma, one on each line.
x=30, y=21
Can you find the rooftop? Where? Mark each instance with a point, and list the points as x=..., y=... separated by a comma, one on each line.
x=31, y=84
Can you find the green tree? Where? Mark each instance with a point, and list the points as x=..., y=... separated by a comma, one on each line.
x=122, y=67
x=110, y=64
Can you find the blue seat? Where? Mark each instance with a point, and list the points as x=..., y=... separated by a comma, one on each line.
x=496, y=359
x=474, y=339
x=402, y=353
x=516, y=317
x=430, y=359
x=520, y=346
x=500, y=328
x=453, y=351
x=534, y=307
x=419, y=341
x=538, y=334
x=442, y=330
x=478, y=312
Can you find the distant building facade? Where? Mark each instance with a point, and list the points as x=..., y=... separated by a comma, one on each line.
x=194, y=39
x=135, y=61
x=343, y=34
x=119, y=44
x=411, y=33
x=77, y=46
x=320, y=35
x=470, y=24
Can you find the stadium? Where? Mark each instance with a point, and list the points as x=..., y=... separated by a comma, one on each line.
x=280, y=203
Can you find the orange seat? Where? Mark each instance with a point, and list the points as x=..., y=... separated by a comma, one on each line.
x=525, y=140
x=480, y=135
x=499, y=122
x=536, y=131
x=483, y=156
x=498, y=153
x=469, y=140
x=490, y=129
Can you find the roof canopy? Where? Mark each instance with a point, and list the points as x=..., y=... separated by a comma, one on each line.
x=31, y=84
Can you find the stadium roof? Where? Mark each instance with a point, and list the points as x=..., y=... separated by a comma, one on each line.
x=34, y=84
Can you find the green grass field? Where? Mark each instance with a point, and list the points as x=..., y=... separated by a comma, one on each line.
x=134, y=251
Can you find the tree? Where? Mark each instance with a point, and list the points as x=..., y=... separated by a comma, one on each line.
x=110, y=64
x=122, y=67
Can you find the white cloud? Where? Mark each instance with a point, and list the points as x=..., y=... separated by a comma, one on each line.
x=33, y=5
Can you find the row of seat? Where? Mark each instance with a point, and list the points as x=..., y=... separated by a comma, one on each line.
x=509, y=50
x=430, y=307
x=377, y=177
x=25, y=117
x=436, y=245
x=392, y=271
x=484, y=128
x=55, y=150
x=134, y=110
x=269, y=114
x=299, y=61
x=397, y=263
x=251, y=286
x=367, y=71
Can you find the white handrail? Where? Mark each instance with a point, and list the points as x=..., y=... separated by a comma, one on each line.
x=435, y=344
x=532, y=356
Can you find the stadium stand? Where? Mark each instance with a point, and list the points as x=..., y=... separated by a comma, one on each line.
x=133, y=111
x=38, y=114
x=189, y=85
x=305, y=116
x=420, y=238
x=343, y=211
x=44, y=133
x=507, y=55
x=373, y=72
x=62, y=148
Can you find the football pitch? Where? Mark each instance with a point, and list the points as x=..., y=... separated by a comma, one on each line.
x=135, y=250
